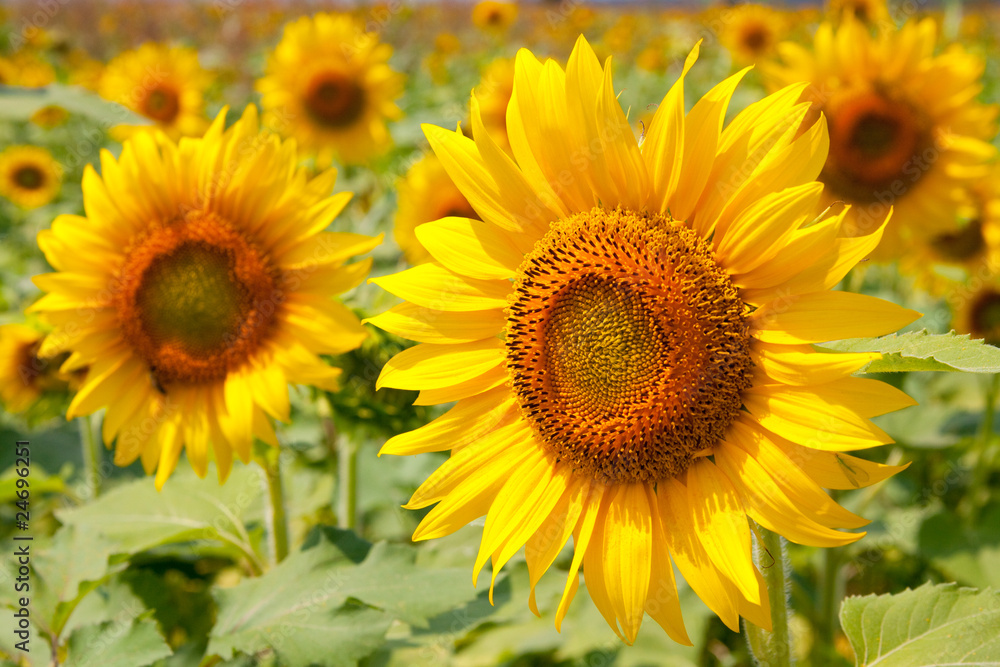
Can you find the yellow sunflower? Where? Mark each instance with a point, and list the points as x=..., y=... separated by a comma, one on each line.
x=494, y=16
x=976, y=310
x=29, y=176
x=196, y=288
x=906, y=130
x=493, y=92
x=23, y=376
x=329, y=86
x=868, y=12
x=627, y=333
x=26, y=68
x=973, y=243
x=164, y=84
x=49, y=116
x=426, y=194
x=750, y=31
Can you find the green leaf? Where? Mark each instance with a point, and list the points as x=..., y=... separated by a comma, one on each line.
x=136, y=517
x=74, y=564
x=932, y=625
x=132, y=642
x=923, y=351
x=333, y=601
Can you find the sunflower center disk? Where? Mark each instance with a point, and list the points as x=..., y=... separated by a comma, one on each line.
x=29, y=178
x=628, y=346
x=334, y=99
x=873, y=143
x=961, y=245
x=162, y=104
x=196, y=300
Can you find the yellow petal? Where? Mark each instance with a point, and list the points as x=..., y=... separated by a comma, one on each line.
x=433, y=286
x=471, y=248
x=721, y=524
x=664, y=146
x=823, y=316
x=801, y=365
x=793, y=482
x=662, y=603
x=688, y=551
x=803, y=417
x=427, y=325
x=548, y=540
x=770, y=507
x=582, y=535
x=495, y=377
x=469, y=420
x=628, y=555
x=431, y=366
x=834, y=470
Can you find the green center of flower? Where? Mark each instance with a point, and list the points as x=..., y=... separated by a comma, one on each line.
x=334, y=99
x=29, y=177
x=196, y=299
x=191, y=297
x=628, y=346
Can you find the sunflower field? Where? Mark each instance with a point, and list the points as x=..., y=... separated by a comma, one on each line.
x=554, y=333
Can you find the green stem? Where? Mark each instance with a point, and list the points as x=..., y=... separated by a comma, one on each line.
x=984, y=445
x=348, y=474
x=91, y=456
x=774, y=648
x=826, y=618
x=278, y=528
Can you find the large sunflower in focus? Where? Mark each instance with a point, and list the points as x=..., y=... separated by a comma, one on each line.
x=905, y=129
x=627, y=333
x=198, y=287
x=29, y=176
x=164, y=85
x=328, y=85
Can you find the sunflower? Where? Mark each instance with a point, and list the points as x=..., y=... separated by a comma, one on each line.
x=196, y=288
x=426, y=194
x=868, y=12
x=49, y=116
x=976, y=310
x=973, y=244
x=164, y=84
x=494, y=16
x=23, y=376
x=627, y=333
x=328, y=85
x=905, y=129
x=493, y=92
x=750, y=31
x=29, y=176
x=26, y=68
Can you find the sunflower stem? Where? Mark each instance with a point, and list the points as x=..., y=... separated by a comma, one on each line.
x=984, y=447
x=348, y=473
x=774, y=648
x=278, y=528
x=91, y=457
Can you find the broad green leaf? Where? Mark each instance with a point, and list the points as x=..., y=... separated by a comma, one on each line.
x=332, y=602
x=76, y=562
x=923, y=351
x=927, y=627
x=20, y=103
x=127, y=642
x=136, y=517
